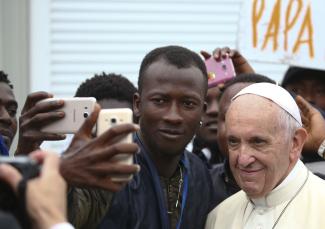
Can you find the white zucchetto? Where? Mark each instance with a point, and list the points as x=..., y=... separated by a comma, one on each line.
x=276, y=94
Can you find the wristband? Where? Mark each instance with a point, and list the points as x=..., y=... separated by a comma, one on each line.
x=321, y=149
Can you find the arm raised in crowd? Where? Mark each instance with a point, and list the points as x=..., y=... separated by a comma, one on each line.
x=241, y=65
x=87, y=166
x=87, y=161
x=314, y=123
x=33, y=117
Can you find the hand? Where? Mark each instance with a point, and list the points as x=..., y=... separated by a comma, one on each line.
x=240, y=63
x=314, y=123
x=33, y=117
x=88, y=161
x=45, y=195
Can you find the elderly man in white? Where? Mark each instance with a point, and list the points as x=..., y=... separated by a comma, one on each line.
x=265, y=139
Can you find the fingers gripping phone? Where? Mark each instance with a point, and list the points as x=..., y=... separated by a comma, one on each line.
x=219, y=71
x=108, y=118
x=76, y=111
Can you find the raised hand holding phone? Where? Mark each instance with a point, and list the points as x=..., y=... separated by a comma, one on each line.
x=88, y=160
x=76, y=110
x=241, y=65
x=33, y=118
x=219, y=71
x=107, y=119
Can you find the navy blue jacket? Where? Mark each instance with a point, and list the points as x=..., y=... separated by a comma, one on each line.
x=141, y=203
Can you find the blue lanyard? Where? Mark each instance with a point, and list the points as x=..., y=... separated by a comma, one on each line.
x=158, y=188
x=3, y=148
x=184, y=197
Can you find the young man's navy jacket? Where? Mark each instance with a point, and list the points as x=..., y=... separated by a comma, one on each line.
x=141, y=203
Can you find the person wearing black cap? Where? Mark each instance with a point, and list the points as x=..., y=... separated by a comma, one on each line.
x=309, y=83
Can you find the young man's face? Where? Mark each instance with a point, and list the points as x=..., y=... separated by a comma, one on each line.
x=8, y=109
x=170, y=106
x=209, y=129
x=312, y=89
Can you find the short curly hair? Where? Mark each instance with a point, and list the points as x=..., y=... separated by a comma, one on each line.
x=4, y=79
x=175, y=55
x=107, y=86
x=248, y=78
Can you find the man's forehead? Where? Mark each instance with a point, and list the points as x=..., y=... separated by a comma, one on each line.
x=252, y=115
x=164, y=72
x=162, y=65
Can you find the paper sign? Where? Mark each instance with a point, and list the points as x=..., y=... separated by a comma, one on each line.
x=283, y=31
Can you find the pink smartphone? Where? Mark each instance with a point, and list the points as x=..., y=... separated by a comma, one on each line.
x=219, y=71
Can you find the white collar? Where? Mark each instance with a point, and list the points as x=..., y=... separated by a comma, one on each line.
x=207, y=153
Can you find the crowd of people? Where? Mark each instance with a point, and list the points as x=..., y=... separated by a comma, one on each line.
x=246, y=153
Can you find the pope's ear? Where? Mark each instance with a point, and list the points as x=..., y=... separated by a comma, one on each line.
x=299, y=139
x=136, y=104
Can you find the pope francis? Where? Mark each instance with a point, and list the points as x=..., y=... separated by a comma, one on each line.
x=265, y=138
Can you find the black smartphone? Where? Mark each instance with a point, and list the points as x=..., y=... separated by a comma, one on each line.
x=9, y=202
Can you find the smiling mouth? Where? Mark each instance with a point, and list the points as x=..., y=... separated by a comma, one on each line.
x=249, y=172
x=171, y=134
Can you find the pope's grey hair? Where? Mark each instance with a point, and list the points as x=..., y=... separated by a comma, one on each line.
x=289, y=123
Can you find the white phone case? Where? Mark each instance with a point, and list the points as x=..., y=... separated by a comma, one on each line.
x=110, y=117
x=76, y=110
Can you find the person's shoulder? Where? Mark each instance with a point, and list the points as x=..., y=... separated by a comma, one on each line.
x=194, y=160
x=226, y=210
x=229, y=205
x=8, y=221
x=197, y=167
x=317, y=167
x=315, y=180
x=316, y=188
x=218, y=169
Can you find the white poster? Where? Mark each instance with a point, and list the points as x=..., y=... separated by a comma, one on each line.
x=283, y=31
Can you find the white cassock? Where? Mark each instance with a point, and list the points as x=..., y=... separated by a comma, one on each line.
x=298, y=202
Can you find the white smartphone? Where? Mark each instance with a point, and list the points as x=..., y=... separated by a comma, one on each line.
x=76, y=110
x=108, y=118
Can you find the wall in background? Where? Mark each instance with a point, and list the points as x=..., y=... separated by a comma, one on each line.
x=14, y=43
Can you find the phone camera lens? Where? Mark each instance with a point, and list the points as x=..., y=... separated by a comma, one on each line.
x=86, y=114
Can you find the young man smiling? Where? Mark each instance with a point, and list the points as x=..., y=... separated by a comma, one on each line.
x=167, y=193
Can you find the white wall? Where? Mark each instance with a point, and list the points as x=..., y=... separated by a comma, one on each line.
x=14, y=40
x=1, y=34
